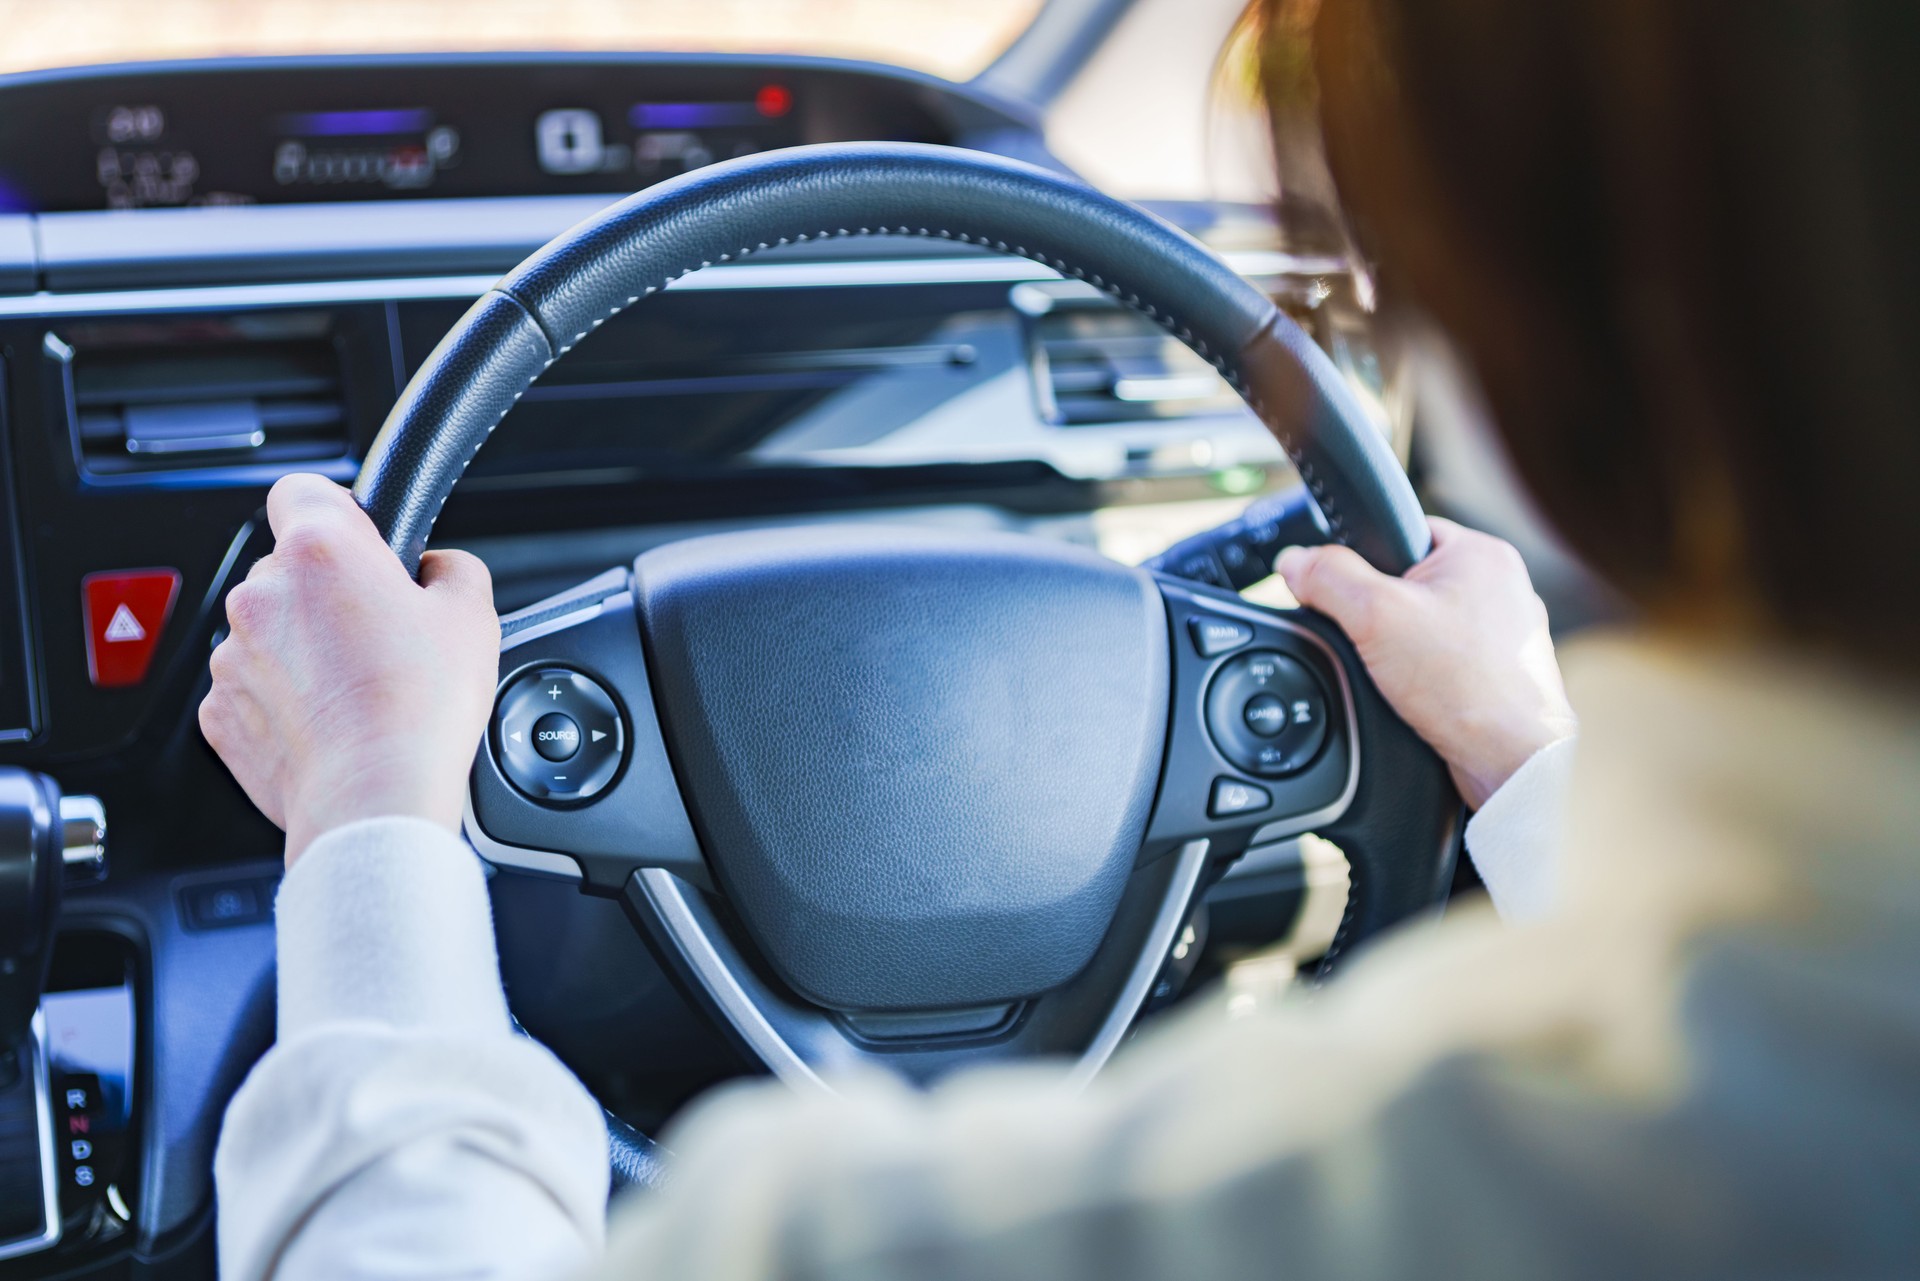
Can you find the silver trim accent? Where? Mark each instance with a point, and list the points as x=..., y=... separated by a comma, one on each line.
x=666, y=894
x=549, y=863
x=49, y=1171
x=764, y=275
x=83, y=839
x=1160, y=939
x=663, y=891
x=1261, y=860
x=1293, y=824
x=587, y=612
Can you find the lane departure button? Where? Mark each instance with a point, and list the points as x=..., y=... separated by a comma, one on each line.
x=557, y=735
x=1231, y=796
x=1214, y=636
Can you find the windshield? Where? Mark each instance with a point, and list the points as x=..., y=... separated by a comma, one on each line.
x=951, y=40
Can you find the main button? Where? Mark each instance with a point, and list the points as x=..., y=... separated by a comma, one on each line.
x=558, y=735
x=1213, y=636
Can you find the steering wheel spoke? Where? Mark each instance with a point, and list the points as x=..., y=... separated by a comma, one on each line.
x=595, y=799
x=806, y=1045
x=1262, y=742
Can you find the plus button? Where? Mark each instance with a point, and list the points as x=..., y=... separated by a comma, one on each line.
x=554, y=692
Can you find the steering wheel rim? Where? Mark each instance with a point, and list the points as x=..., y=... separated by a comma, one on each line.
x=1398, y=817
x=733, y=210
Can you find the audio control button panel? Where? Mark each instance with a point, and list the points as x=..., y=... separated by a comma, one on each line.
x=558, y=735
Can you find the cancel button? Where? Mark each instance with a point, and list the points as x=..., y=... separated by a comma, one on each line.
x=556, y=736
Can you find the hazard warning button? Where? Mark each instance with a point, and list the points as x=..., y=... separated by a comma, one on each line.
x=126, y=611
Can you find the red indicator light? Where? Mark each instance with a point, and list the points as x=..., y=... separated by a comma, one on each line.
x=773, y=100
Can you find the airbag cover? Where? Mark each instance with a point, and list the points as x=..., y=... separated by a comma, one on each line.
x=920, y=763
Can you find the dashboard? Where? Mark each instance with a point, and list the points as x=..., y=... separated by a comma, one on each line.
x=286, y=131
x=214, y=273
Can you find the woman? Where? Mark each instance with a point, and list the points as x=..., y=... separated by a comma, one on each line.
x=1671, y=239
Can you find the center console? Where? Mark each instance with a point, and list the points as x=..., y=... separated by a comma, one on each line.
x=29, y=1202
x=69, y=1174
x=67, y=1032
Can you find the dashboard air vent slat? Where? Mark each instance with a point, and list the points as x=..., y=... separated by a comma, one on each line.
x=1096, y=362
x=162, y=401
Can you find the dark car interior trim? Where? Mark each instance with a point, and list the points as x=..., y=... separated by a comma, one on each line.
x=826, y=382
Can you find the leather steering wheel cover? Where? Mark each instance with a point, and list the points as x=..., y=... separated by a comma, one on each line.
x=733, y=210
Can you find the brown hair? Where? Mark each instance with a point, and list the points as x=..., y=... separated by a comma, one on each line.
x=1679, y=242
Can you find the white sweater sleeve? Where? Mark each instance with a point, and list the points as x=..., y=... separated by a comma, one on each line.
x=1515, y=839
x=400, y=1127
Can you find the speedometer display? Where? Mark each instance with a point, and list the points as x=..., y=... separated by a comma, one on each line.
x=303, y=130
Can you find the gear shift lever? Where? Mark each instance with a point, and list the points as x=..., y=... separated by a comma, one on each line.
x=46, y=841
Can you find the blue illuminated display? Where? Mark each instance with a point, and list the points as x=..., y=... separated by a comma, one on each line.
x=694, y=115
x=356, y=124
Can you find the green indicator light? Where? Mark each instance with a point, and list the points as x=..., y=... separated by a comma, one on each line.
x=1240, y=480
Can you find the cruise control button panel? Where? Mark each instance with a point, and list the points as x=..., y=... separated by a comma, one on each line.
x=1267, y=713
x=1261, y=745
x=558, y=735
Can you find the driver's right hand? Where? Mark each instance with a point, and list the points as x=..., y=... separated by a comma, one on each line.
x=1459, y=646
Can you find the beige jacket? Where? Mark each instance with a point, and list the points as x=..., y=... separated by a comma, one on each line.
x=1703, y=1062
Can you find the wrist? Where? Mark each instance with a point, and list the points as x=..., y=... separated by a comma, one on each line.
x=329, y=804
x=1494, y=754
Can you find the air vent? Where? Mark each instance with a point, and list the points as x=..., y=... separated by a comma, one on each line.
x=1096, y=362
x=148, y=398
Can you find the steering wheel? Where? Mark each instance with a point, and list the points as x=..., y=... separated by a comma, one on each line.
x=922, y=799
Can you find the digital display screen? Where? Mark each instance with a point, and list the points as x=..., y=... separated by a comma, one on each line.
x=143, y=140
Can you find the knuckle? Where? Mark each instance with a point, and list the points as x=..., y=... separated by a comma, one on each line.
x=306, y=491
x=307, y=547
x=246, y=612
x=213, y=722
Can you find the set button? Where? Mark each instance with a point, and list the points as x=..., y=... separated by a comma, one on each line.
x=558, y=735
x=1267, y=713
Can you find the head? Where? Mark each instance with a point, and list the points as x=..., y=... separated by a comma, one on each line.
x=1679, y=243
